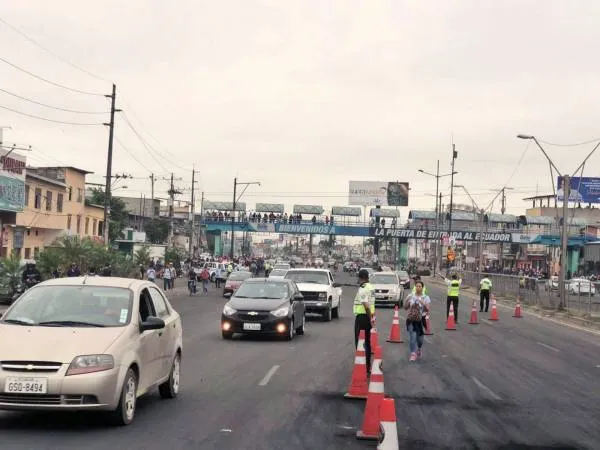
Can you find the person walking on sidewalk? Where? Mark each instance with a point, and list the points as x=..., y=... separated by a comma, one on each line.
x=417, y=305
x=485, y=287
x=364, y=309
x=453, y=292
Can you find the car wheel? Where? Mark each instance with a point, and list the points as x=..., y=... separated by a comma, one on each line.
x=125, y=412
x=335, y=313
x=227, y=335
x=300, y=329
x=328, y=314
x=170, y=388
x=291, y=329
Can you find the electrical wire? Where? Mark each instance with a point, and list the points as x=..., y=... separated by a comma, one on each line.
x=58, y=108
x=62, y=86
x=49, y=120
x=148, y=147
x=132, y=155
x=569, y=145
x=60, y=58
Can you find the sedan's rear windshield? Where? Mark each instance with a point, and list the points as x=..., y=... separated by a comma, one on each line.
x=79, y=306
x=383, y=279
x=239, y=276
x=403, y=274
x=308, y=276
x=277, y=273
x=263, y=290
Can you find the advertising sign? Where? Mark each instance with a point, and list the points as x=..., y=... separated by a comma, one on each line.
x=431, y=234
x=306, y=229
x=346, y=211
x=222, y=206
x=378, y=193
x=275, y=208
x=12, y=181
x=308, y=209
x=583, y=189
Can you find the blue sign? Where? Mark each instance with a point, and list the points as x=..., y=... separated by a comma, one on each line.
x=583, y=189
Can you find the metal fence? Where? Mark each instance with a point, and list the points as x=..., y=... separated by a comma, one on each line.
x=583, y=297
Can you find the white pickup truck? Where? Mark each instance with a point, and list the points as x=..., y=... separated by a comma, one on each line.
x=321, y=294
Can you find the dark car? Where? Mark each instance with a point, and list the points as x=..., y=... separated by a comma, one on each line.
x=234, y=281
x=264, y=306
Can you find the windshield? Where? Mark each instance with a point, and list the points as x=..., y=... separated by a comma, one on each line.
x=239, y=276
x=403, y=274
x=314, y=277
x=278, y=273
x=266, y=290
x=281, y=266
x=72, y=306
x=383, y=279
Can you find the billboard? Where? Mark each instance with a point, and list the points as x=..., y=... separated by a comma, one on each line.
x=12, y=181
x=275, y=208
x=207, y=205
x=583, y=189
x=378, y=193
x=308, y=209
x=346, y=211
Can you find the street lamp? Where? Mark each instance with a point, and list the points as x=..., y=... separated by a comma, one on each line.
x=564, y=239
x=237, y=183
x=437, y=177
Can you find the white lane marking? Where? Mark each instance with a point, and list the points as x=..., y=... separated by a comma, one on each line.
x=549, y=347
x=483, y=387
x=225, y=430
x=346, y=427
x=598, y=365
x=489, y=322
x=268, y=376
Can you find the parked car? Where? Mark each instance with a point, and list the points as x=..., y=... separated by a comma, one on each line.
x=264, y=306
x=89, y=344
x=581, y=286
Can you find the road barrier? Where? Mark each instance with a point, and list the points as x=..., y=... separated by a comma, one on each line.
x=359, y=384
x=473, y=320
x=370, y=425
x=395, y=336
x=389, y=428
x=517, y=313
x=451, y=323
x=374, y=338
x=494, y=311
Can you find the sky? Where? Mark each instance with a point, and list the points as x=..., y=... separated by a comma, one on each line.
x=305, y=95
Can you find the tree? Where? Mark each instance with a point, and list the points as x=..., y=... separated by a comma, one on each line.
x=11, y=271
x=157, y=230
x=118, y=218
x=174, y=255
x=141, y=257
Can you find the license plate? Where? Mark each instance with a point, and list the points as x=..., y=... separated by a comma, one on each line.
x=26, y=385
x=252, y=326
x=380, y=296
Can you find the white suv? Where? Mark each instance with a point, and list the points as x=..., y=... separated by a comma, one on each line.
x=321, y=294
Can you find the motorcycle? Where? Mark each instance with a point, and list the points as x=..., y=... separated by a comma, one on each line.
x=22, y=287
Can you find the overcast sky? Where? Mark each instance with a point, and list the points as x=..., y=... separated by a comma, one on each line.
x=304, y=96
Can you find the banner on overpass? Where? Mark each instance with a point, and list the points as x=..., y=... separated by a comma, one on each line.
x=306, y=229
x=432, y=234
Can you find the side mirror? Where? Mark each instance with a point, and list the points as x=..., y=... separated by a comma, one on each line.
x=336, y=285
x=152, y=323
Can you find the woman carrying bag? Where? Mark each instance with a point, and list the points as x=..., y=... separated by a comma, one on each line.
x=416, y=304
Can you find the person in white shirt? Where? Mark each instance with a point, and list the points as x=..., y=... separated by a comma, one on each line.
x=151, y=274
x=167, y=275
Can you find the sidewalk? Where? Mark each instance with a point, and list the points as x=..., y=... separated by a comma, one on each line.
x=565, y=318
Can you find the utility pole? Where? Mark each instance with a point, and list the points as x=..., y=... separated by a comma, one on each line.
x=171, y=210
x=111, y=133
x=234, y=207
x=454, y=156
x=201, y=219
x=152, y=180
x=191, y=245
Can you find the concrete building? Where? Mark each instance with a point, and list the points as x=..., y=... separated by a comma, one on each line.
x=139, y=209
x=54, y=205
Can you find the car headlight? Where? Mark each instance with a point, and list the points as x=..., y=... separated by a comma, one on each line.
x=281, y=312
x=228, y=310
x=322, y=295
x=90, y=364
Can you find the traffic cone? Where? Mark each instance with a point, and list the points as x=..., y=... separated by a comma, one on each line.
x=428, y=331
x=451, y=323
x=395, y=330
x=517, y=313
x=359, y=384
x=494, y=312
x=387, y=419
x=370, y=425
x=473, y=320
x=374, y=339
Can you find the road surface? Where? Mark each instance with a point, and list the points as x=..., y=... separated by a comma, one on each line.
x=513, y=384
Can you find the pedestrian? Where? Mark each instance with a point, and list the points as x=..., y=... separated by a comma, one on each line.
x=453, y=292
x=205, y=277
x=485, y=287
x=192, y=277
x=364, y=311
x=167, y=277
x=73, y=271
x=151, y=274
x=417, y=305
x=418, y=278
x=173, y=276
x=219, y=276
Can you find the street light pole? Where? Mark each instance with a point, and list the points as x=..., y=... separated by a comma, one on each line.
x=564, y=238
x=236, y=183
x=454, y=156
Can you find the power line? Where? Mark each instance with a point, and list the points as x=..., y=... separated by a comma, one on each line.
x=58, y=108
x=60, y=58
x=48, y=120
x=132, y=155
x=148, y=147
x=570, y=145
x=62, y=86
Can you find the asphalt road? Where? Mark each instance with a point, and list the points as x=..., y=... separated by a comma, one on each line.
x=513, y=384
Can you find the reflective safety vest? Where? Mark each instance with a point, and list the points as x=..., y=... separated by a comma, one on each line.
x=365, y=294
x=454, y=288
x=486, y=284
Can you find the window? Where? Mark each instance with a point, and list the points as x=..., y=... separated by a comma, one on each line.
x=26, y=195
x=37, y=201
x=100, y=228
x=160, y=305
x=48, y=200
x=68, y=221
x=27, y=253
x=70, y=193
x=146, y=307
x=36, y=252
x=87, y=225
x=94, y=227
x=80, y=195
x=59, y=203
x=78, y=224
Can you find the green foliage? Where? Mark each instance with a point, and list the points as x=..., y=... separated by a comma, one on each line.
x=157, y=230
x=174, y=255
x=142, y=256
x=11, y=271
x=119, y=217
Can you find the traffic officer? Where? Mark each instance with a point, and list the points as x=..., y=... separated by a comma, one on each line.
x=485, y=286
x=364, y=311
x=453, y=293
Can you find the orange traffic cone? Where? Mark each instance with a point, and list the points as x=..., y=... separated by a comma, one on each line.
x=473, y=320
x=370, y=425
x=517, y=313
x=374, y=338
x=359, y=385
x=451, y=323
x=395, y=330
x=494, y=312
x=428, y=331
x=387, y=418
